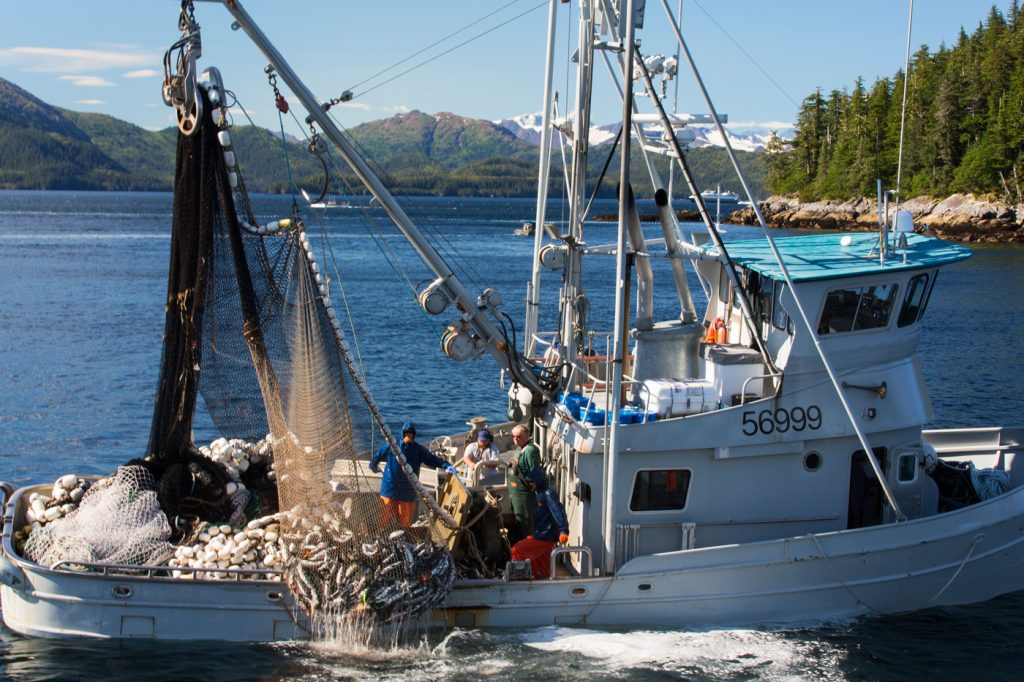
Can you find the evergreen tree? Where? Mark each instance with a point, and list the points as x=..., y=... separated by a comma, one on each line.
x=964, y=128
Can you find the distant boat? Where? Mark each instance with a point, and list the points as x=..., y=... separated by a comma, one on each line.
x=709, y=195
x=335, y=202
x=331, y=203
x=529, y=228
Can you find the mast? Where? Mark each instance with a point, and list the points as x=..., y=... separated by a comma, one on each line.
x=572, y=292
x=621, y=310
x=543, y=173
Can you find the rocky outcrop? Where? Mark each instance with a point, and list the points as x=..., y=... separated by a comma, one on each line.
x=961, y=217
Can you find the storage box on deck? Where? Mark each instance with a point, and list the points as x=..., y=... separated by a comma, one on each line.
x=729, y=367
x=679, y=397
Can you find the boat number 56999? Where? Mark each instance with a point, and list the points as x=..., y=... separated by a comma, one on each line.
x=781, y=420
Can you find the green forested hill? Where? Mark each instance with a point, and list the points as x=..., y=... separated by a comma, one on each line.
x=45, y=147
x=964, y=125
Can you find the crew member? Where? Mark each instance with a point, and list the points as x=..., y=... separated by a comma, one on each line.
x=397, y=493
x=550, y=527
x=520, y=493
x=481, y=452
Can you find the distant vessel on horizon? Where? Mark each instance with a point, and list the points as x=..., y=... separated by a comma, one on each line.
x=718, y=195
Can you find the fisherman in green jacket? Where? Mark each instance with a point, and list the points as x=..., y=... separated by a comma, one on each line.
x=520, y=494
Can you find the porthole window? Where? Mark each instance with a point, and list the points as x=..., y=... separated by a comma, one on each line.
x=812, y=461
x=660, y=490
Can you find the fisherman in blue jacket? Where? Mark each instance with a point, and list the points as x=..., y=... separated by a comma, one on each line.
x=397, y=493
x=550, y=527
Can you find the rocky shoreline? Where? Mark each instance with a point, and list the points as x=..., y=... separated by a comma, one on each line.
x=960, y=217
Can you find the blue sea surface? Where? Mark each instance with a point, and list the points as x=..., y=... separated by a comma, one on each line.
x=82, y=288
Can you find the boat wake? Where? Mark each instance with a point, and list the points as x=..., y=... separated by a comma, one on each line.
x=766, y=654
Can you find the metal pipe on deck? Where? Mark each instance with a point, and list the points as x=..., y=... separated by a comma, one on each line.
x=670, y=229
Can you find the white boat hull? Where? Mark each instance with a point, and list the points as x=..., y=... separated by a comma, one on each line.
x=965, y=556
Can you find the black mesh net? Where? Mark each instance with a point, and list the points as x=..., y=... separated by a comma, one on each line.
x=257, y=318
x=250, y=325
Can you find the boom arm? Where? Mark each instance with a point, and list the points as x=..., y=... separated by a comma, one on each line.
x=473, y=309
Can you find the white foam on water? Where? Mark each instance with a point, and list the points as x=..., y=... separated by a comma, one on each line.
x=348, y=654
x=771, y=655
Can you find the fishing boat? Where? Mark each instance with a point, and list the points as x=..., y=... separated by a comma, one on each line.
x=709, y=195
x=762, y=461
x=331, y=203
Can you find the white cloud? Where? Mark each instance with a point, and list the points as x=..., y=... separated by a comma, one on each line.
x=89, y=81
x=362, y=106
x=60, y=60
x=90, y=102
x=143, y=73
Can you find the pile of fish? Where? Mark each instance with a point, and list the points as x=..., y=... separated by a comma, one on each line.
x=259, y=548
x=388, y=578
x=67, y=493
x=329, y=567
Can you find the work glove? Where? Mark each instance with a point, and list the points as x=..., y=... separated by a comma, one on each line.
x=375, y=467
x=563, y=539
x=451, y=470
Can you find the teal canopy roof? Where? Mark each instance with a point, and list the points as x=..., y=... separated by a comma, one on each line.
x=823, y=256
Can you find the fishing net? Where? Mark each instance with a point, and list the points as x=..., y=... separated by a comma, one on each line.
x=250, y=325
x=118, y=521
x=274, y=359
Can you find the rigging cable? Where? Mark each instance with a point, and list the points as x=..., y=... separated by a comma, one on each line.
x=903, y=113
x=745, y=53
x=433, y=44
x=452, y=49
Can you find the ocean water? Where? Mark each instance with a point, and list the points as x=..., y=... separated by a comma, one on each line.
x=82, y=284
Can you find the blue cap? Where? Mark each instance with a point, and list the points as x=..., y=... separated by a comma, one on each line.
x=484, y=434
x=409, y=427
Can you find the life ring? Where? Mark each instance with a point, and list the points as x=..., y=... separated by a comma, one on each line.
x=716, y=331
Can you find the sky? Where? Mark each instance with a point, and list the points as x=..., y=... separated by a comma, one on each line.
x=480, y=59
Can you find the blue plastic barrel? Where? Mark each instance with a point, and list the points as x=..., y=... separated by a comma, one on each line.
x=573, y=401
x=627, y=416
x=594, y=417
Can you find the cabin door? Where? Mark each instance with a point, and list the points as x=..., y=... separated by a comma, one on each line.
x=866, y=494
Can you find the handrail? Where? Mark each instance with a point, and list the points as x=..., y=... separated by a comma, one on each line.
x=480, y=465
x=558, y=551
x=105, y=569
x=743, y=388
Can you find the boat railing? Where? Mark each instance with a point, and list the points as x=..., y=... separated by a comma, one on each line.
x=581, y=550
x=596, y=383
x=760, y=377
x=481, y=470
x=145, y=571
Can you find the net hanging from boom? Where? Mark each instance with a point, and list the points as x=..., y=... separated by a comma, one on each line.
x=250, y=325
x=271, y=330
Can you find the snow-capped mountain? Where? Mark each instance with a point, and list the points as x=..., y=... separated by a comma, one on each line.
x=749, y=138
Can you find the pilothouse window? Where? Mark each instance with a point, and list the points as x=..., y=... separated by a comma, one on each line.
x=659, y=490
x=780, y=319
x=913, y=303
x=857, y=308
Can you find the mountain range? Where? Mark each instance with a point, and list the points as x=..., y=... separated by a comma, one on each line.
x=47, y=147
x=528, y=127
